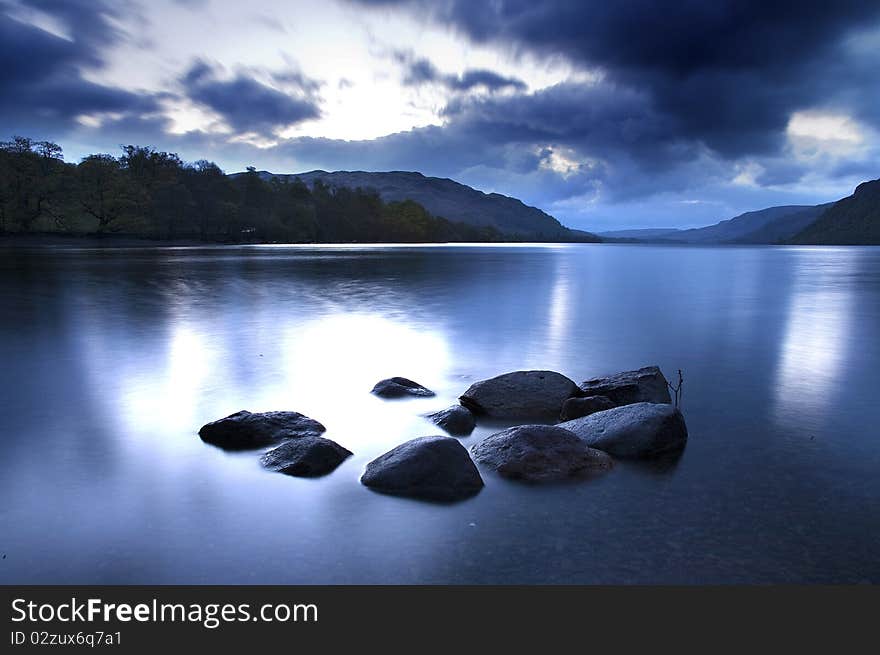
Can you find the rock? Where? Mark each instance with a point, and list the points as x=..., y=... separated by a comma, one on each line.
x=431, y=468
x=539, y=453
x=521, y=394
x=305, y=457
x=399, y=387
x=577, y=407
x=637, y=430
x=645, y=385
x=245, y=430
x=456, y=420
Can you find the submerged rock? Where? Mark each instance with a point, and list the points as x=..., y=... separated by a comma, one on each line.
x=245, y=430
x=431, y=468
x=398, y=387
x=577, y=407
x=637, y=430
x=539, y=453
x=644, y=385
x=521, y=394
x=305, y=457
x=456, y=420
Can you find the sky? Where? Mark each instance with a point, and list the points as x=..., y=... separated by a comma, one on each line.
x=607, y=115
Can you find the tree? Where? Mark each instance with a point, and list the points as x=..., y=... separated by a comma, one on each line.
x=150, y=193
x=212, y=198
x=103, y=192
x=31, y=172
x=155, y=178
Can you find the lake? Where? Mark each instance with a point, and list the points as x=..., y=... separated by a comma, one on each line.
x=113, y=359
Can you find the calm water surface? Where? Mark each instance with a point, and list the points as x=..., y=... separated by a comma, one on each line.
x=112, y=360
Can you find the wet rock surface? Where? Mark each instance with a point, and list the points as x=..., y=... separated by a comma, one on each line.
x=578, y=407
x=430, y=468
x=305, y=457
x=540, y=453
x=647, y=384
x=456, y=420
x=246, y=430
x=520, y=394
x=398, y=387
x=637, y=430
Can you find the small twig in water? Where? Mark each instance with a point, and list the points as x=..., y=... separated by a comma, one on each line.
x=676, y=389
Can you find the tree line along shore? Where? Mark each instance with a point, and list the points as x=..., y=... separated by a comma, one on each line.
x=145, y=193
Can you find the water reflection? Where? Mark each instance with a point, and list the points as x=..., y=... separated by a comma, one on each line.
x=349, y=350
x=559, y=310
x=114, y=359
x=816, y=340
x=329, y=365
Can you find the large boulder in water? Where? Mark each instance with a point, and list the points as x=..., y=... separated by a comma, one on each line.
x=398, y=387
x=539, y=453
x=521, y=394
x=637, y=430
x=431, y=468
x=644, y=385
x=577, y=407
x=305, y=457
x=245, y=430
x=456, y=420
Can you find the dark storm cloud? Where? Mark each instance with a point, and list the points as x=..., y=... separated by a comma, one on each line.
x=728, y=72
x=419, y=70
x=250, y=105
x=41, y=78
x=613, y=134
x=599, y=118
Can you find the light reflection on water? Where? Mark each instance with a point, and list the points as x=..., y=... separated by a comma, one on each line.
x=115, y=358
x=816, y=343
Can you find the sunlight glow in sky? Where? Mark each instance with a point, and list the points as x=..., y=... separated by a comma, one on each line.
x=351, y=53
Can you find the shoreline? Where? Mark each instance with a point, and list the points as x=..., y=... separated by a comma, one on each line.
x=50, y=240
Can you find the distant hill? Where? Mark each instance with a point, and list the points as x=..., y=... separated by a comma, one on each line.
x=770, y=225
x=785, y=226
x=641, y=234
x=450, y=200
x=741, y=228
x=854, y=220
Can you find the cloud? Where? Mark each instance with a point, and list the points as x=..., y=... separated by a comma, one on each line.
x=250, y=105
x=723, y=104
x=41, y=72
x=419, y=70
x=50, y=48
x=728, y=73
x=89, y=23
x=691, y=98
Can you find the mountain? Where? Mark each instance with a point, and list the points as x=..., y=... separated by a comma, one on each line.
x=854, y=220
x=770, y=225
x=785, y=226
x=773, y=225
x=740, y=227
x=451, y=200
x=641, y=234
